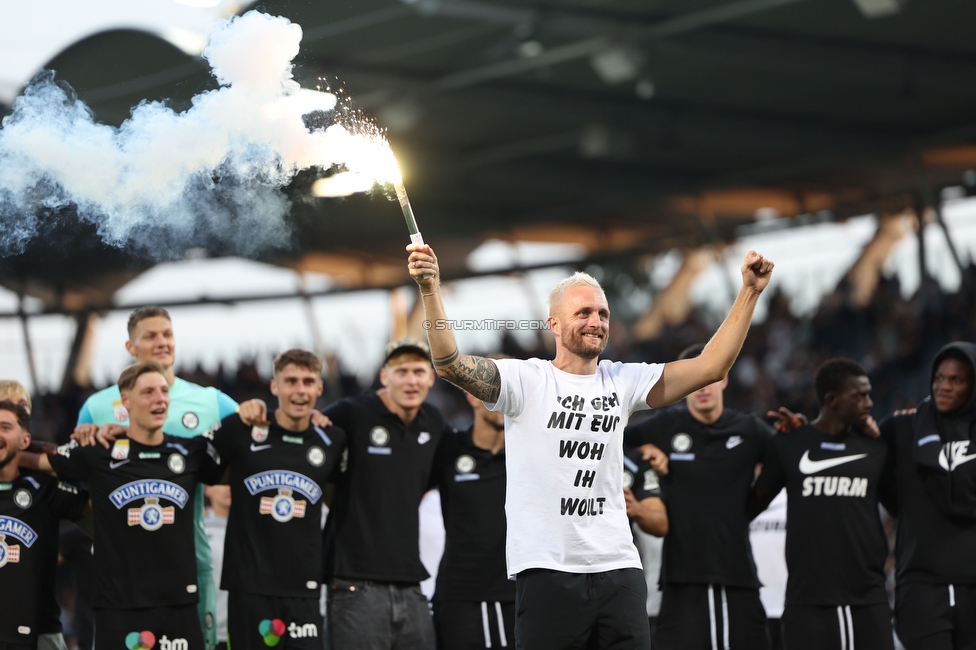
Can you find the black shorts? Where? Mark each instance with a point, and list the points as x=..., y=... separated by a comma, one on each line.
x=471, y=625
x=936, y=617
x=866, y=627
x=154, y=628
x=555, y=610
x=256, y=622
x=704, y=617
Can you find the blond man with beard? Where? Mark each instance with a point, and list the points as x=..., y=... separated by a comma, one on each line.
x=570, y=547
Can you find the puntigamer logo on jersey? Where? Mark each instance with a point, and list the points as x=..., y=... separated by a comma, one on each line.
x=151, y=515
x=283, y=506
x=18, y=530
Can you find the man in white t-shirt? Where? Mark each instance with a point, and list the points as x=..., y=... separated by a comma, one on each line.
x=569, y=545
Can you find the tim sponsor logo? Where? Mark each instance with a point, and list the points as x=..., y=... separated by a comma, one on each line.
x=306, y=631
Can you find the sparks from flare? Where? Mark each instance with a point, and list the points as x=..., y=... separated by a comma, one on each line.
x=369, y=160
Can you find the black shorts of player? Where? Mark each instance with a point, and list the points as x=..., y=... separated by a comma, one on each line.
x=935, y=616
x=256, y=622
x=866, y=627
x=17, y=646
x=555, y=610
x=154, y=628
x=471, y=625
x=703, y=617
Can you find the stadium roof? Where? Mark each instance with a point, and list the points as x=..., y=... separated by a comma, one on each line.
x=629, y=126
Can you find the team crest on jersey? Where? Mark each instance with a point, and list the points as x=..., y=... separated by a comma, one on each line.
x=259, y=434
x=121, y=415
x=176, y=463
x=423, y=437
x=651, y=481
x=8, y=552
x=65, y=450
x=120, y=450
x=190, y=420
x=464, y=464
x=379, y=436
x=23, y=498
x=151, y=516
x=315, y=456
x=681, y=442
x=628, y=479
x=282, y=507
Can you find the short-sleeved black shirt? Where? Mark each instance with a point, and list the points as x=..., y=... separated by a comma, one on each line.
x=472, y=486
x=142, y=498
x=373, y=530
x=273, y=544
x=639, y=477
x=30, y=508
x=707, y=488
x=835, y=545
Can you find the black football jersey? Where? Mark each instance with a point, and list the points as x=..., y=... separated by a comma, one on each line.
x=30, y=508
x=643, y=481
x=373, y=530
x=707, y=489
x=835, y=545
x=472, y=486
x=273, y=544
x=143, y=498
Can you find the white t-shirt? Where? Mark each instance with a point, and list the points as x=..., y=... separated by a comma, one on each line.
x=767, y=534
x=564, y=457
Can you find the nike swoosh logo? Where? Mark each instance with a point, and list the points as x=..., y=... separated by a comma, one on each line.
x=114, y=465
x=733, y=442
x=957, y=451
x=808, y=466
x=255, y=447
x=957, y=461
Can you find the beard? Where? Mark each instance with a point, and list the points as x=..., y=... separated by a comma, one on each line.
x=7, y=455
x=573, y=341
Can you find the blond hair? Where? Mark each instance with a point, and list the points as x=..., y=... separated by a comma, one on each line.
x=12, y=387
x=578, y=279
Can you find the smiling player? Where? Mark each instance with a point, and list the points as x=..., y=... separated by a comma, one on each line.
x=570, y=546
x=834, y=477
x=142, y=495
x=273, y=547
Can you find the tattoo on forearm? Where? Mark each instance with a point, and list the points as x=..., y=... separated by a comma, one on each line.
x=440, y=362
x=476, y=375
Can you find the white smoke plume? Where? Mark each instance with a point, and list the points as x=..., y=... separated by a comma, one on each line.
x=164, y=181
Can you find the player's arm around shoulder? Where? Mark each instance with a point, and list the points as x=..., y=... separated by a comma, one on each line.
x=228, y=433
x=206, y=454
x=645, y=503
x=771, y=479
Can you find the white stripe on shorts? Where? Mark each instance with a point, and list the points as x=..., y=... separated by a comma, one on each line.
x=501, y=625
x=484, y=624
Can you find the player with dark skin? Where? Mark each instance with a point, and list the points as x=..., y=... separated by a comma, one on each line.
x=835, y=476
